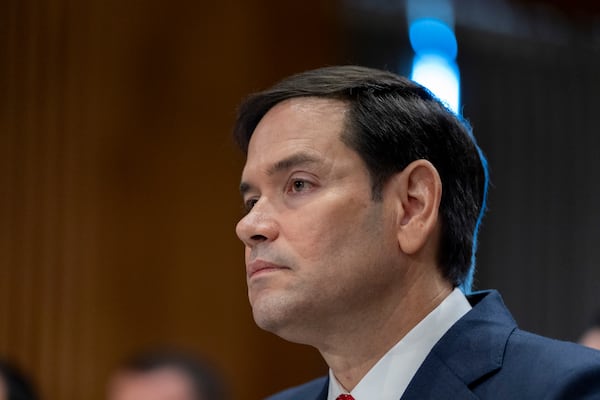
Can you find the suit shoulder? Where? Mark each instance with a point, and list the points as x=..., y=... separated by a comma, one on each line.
x=560, y=367
x=540, y=348
x=308, y=391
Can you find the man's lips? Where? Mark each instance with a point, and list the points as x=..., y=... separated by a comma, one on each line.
x=260, y=266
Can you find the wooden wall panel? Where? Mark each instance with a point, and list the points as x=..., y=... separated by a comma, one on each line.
x=118, y=183
x=47, y=225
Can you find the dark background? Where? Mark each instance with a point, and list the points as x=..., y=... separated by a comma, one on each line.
x=118, y=177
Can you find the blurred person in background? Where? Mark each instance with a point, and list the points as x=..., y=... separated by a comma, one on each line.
x=14, y=384
x=166, y=375
x=363, y=197
x=591, y=336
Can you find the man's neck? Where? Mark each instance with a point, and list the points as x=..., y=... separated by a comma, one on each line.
x=354, y=353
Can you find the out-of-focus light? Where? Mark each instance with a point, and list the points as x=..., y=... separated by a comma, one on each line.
x=429, y=35
x=440, y=76
x=442, y=10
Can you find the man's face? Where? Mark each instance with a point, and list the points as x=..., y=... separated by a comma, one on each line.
x=319, y=251
x=161, y=384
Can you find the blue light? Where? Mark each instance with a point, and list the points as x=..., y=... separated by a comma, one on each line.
x=440, y=76
x=429, y=35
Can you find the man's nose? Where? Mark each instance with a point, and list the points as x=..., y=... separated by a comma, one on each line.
x=258, y=226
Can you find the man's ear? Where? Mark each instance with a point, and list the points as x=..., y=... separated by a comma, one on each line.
x=418, y=191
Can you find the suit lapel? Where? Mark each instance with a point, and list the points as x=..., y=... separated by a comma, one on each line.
x=471, y=349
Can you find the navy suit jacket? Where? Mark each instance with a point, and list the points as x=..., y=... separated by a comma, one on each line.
x=485, y=356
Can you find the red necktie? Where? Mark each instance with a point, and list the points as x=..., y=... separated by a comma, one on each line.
x=344, y=397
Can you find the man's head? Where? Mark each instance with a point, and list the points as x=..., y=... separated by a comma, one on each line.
x=165, y=376
x=389, y=122
x=362, y=193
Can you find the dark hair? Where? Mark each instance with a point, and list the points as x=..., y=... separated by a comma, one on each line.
x=205, y=379
x=18, y=385
x=392, y=122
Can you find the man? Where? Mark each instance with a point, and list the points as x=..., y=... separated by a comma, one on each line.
x=165, y=375
x=363, y=196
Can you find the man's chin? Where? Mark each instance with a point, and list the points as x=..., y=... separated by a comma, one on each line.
x=281, y=321
x=268, y=312
x=272, y=313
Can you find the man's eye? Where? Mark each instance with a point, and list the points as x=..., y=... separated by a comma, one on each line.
x=249, y=204
x=299, y=185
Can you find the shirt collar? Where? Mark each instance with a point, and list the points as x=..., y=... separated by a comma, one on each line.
x=390, y=376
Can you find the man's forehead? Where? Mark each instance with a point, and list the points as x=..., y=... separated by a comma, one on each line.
x=301, y=121
x=302, y=130
x=325, y=104
x=304, y=110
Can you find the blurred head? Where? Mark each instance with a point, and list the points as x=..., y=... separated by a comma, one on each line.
x=14, y=385
x=166, y=376
x=591, y=336
x=390, y=121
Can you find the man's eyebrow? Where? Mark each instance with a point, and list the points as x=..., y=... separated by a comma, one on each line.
x=289, y=162
x=244, y=188
x=292, y=161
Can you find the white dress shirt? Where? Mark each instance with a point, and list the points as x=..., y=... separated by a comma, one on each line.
x=390, y=376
